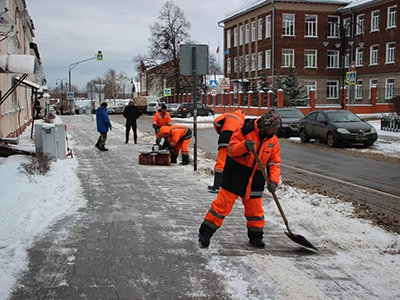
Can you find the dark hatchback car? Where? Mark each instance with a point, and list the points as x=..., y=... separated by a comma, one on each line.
x=186, y=110
x=336, y=127
x=290, y=121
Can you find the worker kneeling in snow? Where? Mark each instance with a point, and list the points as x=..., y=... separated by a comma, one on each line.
x=178, y=137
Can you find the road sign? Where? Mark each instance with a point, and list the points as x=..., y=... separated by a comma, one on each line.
x=213, y=92
x=99, y=56
x=70, y=95
x=213, y=84
x=352, y=77
x=167, y=92
x=224, y=83
x=353, y=65
x=100, y=86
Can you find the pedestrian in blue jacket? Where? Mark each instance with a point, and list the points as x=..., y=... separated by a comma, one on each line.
x=103, y=123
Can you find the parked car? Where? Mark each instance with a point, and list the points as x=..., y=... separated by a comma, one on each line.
x=336, y=127
x=186, y=110
x=290, y=121
x=110, y=110
x=172, y=108
x=152, y=107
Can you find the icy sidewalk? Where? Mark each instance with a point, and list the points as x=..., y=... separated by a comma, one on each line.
x=137, y=238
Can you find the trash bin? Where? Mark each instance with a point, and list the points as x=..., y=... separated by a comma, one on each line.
x=61, y=137
x=49, y=139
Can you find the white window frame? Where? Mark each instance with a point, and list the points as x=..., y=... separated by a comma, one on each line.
x=346, y=26
x=310, y=58
x=375, y=20
x=333, y=27
x=235, y=64
x=372, y=82
x=359, y=57
x=390, y=52
x=389, y=88
x=268, y=59
x=333, y=59
x=253, y=31
x=308, y=86
x=358, y=93
x=268, y=26
x=391, y=17
x=246, y=63
x=373, y=55
x=247, y=34
x=228, y=39
x=235, y=37
x=260, y=27
x=253, y=62
x=241, y=33
x=347, y=58
x=287, y=58
x=332, y=89
x=228, y=65
x=288, y=22
x=311, y=25
x=360, y=26
x=260, y=60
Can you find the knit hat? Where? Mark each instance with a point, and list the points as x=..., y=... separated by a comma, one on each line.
x=270, y=119
x=104, y=104
x=163, y=106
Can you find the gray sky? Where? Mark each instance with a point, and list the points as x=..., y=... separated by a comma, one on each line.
x=74, y=30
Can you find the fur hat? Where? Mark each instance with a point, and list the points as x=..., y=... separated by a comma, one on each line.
x=270, y=119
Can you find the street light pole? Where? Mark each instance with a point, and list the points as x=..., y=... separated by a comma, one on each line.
x=61, y=91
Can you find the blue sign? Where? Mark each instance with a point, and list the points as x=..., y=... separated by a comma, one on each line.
x=213, y=84
x=70, y=95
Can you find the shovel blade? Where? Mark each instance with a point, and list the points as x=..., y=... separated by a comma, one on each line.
x=299, y=239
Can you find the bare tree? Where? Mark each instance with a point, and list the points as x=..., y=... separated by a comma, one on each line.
x=214, y=67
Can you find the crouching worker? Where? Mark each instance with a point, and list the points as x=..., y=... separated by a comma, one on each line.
x=243, y=178
x=178, y=137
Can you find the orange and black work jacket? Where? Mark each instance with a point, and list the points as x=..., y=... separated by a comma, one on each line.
x=242, y=175
x=226, y=124
x=160, y=119
x=175, y=133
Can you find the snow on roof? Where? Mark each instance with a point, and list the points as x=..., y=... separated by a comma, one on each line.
x=356, y=3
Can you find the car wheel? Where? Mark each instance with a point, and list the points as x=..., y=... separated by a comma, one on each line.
x=330, y=139
x=303, y=136
x=188, y=114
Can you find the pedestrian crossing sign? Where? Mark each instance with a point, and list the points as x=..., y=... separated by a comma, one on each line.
x=213, y=84
x=167, y=92
x=351, y=77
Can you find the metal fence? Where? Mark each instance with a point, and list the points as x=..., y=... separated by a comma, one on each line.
x=390, y=123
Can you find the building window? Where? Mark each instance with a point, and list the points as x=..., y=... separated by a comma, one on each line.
x=247, y=35
x=268, y=26
x=310, y=85
x=228, y=39
x=360, y=26
x=246, y=63
x=332, y=89
x=228, y=65
x=391, y=16
x=389, y=88
x=287, y=58
x=333, y=59
x=311, y=26
x=373, y=57
x=359, y=89
x=333, y=27
x=268, y=59
x=235, y=65
x=359, y=57
x=347, y=58
x=260, y=24
x=372, y=83
x=390, y=52
x=346, y=26
x=288, y=25
x=259, y=61
x=375, y=20
x=253, y=62
x=241, y=36
x=235, y=37
x=253, y=31
x=310, y=58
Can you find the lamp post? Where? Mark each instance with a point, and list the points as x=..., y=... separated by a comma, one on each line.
x=339, y=31
x=61, y=91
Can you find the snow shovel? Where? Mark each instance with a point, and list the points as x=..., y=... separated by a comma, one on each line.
x=294, y=237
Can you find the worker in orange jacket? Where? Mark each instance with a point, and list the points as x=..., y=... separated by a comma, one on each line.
x=161, y=118
x=224, y=125
x=178, y=137
x=243, y=178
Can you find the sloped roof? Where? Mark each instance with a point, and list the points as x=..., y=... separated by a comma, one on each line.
x=357, y=3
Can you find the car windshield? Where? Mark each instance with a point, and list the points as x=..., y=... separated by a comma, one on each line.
x=342, y=116
x=290, y=114
x=152, y=104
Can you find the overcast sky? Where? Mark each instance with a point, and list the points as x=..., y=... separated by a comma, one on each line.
x=70, y=31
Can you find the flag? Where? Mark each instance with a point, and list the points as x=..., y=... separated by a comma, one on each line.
x=226, y=51
x=217, y=49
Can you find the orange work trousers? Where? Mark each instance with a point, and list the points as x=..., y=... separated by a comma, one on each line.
x=221, y=158
x=182, y=146
x=222, y=206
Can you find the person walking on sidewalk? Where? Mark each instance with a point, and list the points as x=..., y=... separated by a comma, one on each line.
x=224, y=125
x=131, y=114
x=103, y=124
x=243, y=178
x=178, y=137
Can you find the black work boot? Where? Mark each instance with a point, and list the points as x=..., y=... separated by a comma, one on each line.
x=256, y=238
x=205, y=234
x=174, y=156
x=217, y=183
x=185, y=159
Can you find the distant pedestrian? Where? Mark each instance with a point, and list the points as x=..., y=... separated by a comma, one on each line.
x=131, y=114
x=38, y=108
x=178, y=137
x=103, y=124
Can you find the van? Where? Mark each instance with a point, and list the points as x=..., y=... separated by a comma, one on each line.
x=143, y=101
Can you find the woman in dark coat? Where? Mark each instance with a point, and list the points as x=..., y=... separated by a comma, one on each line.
x=103, y=123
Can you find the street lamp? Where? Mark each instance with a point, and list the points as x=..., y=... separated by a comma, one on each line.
x=61, y=92
x=337, y=30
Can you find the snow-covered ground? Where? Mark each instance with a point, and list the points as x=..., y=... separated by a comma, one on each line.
x=371, y=255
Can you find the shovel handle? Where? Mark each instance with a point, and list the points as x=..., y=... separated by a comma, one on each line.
x=273, y=194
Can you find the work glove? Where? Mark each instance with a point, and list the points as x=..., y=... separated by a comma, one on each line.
x=271, y=187
x=155, y=128
x=170, y=147
x=158, y=140
x=250, y=145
